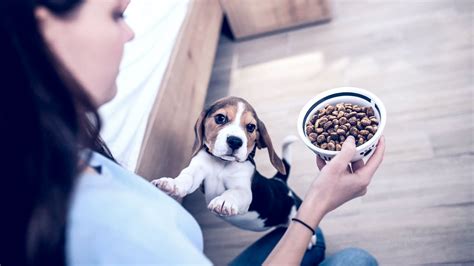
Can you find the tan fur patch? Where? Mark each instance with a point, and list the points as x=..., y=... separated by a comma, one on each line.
x=211, y=128
x=249, y=118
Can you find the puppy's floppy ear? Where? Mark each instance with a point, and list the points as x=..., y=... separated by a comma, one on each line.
x=264, y=141
x=199, y=133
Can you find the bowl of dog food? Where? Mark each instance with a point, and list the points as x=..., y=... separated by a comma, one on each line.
x=328, y=119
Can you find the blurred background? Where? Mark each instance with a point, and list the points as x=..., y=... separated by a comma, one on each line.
x=417, y=56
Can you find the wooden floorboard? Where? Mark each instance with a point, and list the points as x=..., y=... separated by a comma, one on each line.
x=417, y=56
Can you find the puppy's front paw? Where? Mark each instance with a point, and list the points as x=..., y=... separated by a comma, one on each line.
x=223, y=206
x=170, y=187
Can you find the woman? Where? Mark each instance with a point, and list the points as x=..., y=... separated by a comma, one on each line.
x=72, y=203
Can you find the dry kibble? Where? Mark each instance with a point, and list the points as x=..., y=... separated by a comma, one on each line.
x=342, y=120
x=329, y=109
x=327, y=124
x=340, y=115
x=353, y=121
x=365, y=122
x=330, y=126
x=341, y=132
x=370, y=129
x=340, y=107
x=320, y=122
x=331, y=146
x=354, y=131
x=360, y=115
x=370, y=111
x=320, y=139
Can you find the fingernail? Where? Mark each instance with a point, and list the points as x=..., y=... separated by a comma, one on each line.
x=351, y=138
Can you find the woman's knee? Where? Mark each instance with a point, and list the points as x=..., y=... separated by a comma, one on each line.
x=361, y=257
x=351, y=256
x=320, y=238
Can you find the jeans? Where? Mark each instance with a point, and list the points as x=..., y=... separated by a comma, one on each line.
x=256, y=253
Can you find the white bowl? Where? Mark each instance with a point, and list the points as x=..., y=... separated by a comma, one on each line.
x=347, y=95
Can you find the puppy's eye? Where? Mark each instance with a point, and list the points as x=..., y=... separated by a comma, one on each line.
x=220, y=119
x=250, y=128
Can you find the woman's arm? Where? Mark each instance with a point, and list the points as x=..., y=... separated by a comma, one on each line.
x=293, y=244
x=337, y=183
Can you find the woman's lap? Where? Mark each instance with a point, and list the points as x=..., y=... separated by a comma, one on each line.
x=350, y=256
x=256, y=253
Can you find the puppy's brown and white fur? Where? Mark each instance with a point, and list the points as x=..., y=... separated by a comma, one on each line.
x=227, y=135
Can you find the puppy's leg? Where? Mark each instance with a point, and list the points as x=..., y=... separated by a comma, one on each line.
x=238, y=196
x=186, y=182
x=232, y=202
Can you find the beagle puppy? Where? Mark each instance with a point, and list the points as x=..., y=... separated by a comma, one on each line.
x=227, y=136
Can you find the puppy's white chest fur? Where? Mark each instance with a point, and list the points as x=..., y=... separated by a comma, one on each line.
x=222, y=175
x=232, y=177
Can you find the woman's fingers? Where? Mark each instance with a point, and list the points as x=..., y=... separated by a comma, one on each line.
x=374, y=161
x=349, y=169
x=320, y=162
x=343, y=158
x=357, y=165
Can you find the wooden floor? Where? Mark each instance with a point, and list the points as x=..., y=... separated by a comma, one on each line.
x=417, y=56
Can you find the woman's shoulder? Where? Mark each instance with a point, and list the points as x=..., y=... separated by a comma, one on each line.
x=116, y=211
x=116, y=192
x=121, y=201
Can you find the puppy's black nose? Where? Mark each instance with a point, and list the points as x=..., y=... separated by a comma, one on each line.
x=234, y=142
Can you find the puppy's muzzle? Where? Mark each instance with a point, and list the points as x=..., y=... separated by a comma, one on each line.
x=234, y=142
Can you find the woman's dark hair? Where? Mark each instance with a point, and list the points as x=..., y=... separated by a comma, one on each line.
x=48, y=121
